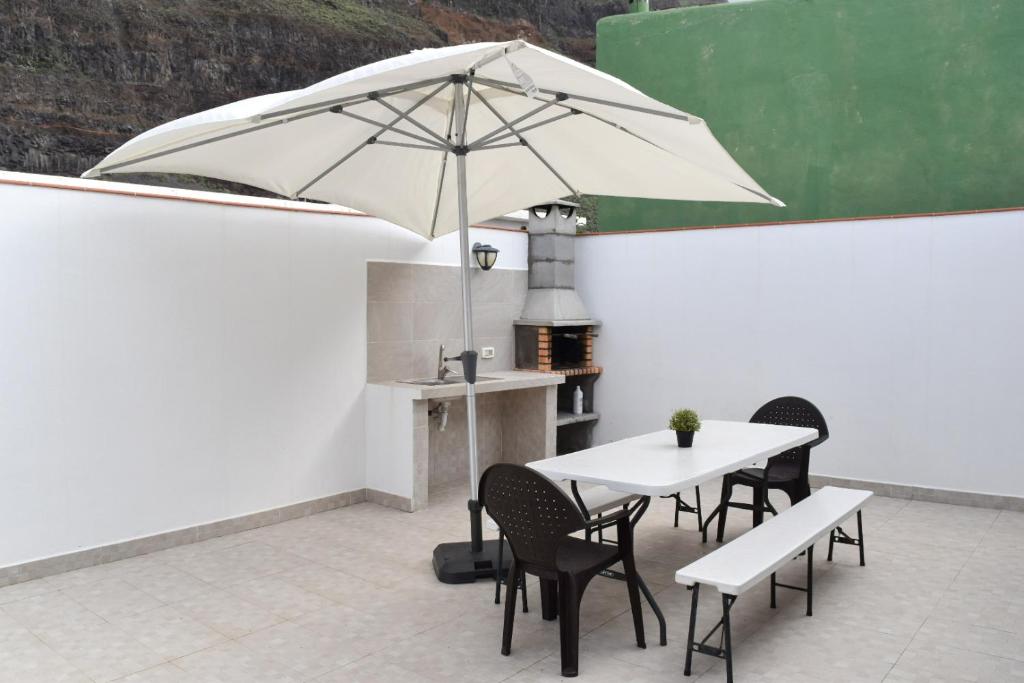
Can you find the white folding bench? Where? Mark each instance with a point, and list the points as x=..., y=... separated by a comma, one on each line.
x=737, y=566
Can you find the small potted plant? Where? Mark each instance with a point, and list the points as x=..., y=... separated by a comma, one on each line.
x=685, y=422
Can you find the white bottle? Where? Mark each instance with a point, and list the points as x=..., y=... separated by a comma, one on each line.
x=577, y=400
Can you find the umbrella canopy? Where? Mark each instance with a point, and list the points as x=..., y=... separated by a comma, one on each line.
x=437, y=139
x=380, y=138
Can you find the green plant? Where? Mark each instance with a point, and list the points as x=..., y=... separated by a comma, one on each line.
x=684, y=420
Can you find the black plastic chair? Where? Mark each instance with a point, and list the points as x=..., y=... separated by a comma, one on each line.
x=786, y=471
x=537, y=518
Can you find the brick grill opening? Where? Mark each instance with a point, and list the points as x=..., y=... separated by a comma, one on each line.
x=566, y=350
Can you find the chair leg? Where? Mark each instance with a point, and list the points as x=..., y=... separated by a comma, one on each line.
x=549, y=599
x=759, y=495
x=497, y=568
x=510, y=608
x=723, y=507
x=569, y=624
x=700, y=513
x=522, y=584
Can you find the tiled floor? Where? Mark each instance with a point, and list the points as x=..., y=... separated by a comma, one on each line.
x=349, y=596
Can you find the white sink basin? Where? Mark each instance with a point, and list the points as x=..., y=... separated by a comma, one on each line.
x=433, y=381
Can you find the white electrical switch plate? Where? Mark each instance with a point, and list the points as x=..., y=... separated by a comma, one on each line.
x=487, y=352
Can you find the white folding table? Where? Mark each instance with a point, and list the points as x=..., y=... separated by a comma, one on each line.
x=653, y=465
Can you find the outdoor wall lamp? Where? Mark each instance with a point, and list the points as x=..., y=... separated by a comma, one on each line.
x=486, y=255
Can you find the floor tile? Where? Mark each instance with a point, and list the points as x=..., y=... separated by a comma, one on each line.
x=169, y=631
x=233, y=663
x=38, y=663
x=279, y=596
x=928, y=664
x=163, y=673
x=112, y=598
x=104, y=652
x=227, y=614
x=308, y=652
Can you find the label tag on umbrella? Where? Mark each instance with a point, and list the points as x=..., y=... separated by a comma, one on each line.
x=524, y=80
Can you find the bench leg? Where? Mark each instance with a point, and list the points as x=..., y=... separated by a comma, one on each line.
x=839, y=536
x=693, y=626
x=724, y=651
x=860, y=536
x=810, y=578
x=808, y=588
x=727, y=601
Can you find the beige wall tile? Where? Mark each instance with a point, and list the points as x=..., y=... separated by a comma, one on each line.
x=388, y=360
x=388, y=321
x=389, y=281
x=436, y=317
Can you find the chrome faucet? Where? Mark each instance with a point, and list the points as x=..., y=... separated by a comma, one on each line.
x=443, y=370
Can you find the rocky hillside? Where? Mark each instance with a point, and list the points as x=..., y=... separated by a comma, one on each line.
x=79, y=78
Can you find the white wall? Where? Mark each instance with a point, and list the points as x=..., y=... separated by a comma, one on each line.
x=166, y=363
x=907, y=333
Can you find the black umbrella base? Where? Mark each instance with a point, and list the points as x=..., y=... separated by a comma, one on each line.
x=457, y=563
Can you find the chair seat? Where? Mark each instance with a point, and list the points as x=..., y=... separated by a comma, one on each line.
x=598, y=498
x=754, y=476
x=577, y=556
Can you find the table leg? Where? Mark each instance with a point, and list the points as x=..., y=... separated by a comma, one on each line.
x=638, y=511
x=662, y=626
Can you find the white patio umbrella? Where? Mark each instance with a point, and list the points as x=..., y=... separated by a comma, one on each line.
x=440, y=138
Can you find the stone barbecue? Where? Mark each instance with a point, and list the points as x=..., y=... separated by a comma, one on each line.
x=555, y=333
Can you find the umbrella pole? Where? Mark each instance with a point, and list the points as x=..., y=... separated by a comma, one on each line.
x=469, y=352
x=466, y=562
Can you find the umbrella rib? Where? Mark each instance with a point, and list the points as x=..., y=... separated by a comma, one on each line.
x=483, y=140
x=349, y=99
x=405, y=116
x=444, y=168
x=505, y=145
x=331, y=168
x=371, y=140
x=511, y=87
x=526, y=143
x=408, y=145
x=390, y=128
x=559, y=117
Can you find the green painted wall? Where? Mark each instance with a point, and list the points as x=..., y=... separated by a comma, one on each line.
x=840, y=108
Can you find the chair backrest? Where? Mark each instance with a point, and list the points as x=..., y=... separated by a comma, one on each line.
x=535, y=514
x=793, y=411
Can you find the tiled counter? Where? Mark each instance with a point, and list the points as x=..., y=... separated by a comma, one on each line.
x=407, y=454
